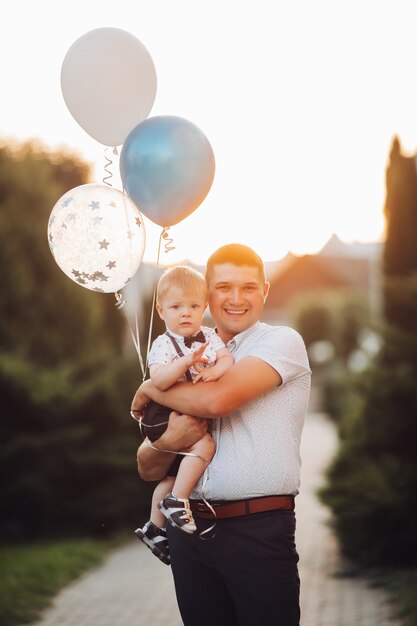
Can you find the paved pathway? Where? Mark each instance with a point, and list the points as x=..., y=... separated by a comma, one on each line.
x=327, y=598
x=132, y=588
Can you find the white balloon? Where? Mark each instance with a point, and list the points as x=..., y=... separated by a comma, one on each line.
x=97, y=237
x=108, y=81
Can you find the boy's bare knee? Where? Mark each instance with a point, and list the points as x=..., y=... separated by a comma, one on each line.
x=210, y=447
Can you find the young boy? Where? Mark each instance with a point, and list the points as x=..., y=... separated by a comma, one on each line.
x=197, y=353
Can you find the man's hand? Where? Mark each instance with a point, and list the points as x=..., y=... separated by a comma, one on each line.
x=140, y=400
x=206, y=374
x=182, y=432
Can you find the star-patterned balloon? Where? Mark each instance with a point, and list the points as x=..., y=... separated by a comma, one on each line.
x=97, y=237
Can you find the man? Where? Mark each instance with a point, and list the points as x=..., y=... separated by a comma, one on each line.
x=247, y=574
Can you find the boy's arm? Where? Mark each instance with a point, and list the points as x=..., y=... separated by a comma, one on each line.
x=165, y=375
x=249, y=378
x=224, y=361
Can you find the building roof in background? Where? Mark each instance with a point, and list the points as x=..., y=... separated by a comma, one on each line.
x=315, y=272
x=338, y=265
x=335, y=247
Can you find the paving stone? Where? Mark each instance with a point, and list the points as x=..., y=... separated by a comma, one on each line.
x=132, y=588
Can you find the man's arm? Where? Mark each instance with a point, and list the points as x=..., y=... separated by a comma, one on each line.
x=249, y=378
x=182, y=432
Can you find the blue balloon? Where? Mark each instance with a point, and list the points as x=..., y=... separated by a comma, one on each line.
x=167, y=168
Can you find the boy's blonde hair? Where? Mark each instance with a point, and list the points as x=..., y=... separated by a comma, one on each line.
x=184, y=277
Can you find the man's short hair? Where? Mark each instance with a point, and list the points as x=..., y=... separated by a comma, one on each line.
x=184, y=277
x=236, y=254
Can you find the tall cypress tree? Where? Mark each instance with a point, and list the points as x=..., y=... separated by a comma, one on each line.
x=372, y=483
x=400, y=251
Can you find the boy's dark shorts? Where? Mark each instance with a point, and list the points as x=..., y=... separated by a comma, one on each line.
x=154, y=424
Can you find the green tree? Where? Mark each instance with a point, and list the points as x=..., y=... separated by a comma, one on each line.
x=372, y=483
x=67, y=460
x=400, y=252
x=43, y=314
x=337, y=317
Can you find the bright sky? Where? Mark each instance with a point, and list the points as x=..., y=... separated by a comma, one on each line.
x=299, y=100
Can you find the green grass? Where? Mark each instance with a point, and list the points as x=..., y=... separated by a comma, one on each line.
x=32, y=574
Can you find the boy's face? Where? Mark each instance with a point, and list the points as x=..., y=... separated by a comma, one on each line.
x=182, y=311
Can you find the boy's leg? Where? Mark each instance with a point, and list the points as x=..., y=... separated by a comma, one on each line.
x=153, y=533
x=175, y=506
x=161, y=490
x=192, y=467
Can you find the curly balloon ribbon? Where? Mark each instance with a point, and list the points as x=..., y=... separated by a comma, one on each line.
x=169, y=241
x=120, y=301
x=120, y=304
x=209, y=533
x=106, y=167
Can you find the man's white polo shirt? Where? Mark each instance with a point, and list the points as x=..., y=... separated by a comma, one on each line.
x=258, y=446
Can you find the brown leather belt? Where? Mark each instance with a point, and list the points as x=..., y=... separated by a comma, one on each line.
x=238, y=508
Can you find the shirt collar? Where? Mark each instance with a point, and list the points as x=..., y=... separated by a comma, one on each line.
x=179, y=338
x=237, y=340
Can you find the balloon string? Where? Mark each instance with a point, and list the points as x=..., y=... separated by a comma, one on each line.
x=106, y=167
x=167, y=248
x=209, y=532
x=120, y=304
x=150, y=332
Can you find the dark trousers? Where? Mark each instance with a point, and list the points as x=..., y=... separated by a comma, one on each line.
x=246, y=575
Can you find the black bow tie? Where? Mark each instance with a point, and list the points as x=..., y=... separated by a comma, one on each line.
x=188, y=341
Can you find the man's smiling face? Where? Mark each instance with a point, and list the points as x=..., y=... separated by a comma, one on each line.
x=236, y=297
